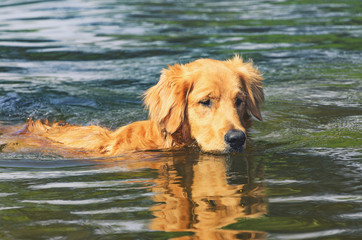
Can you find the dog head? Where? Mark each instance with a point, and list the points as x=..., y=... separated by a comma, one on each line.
x=207, y=101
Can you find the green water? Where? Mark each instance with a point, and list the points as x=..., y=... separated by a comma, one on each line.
x=88, y=61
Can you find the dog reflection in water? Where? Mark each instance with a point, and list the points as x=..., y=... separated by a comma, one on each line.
x=198, y=196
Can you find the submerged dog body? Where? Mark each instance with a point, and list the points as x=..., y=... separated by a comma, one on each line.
x=207, y=102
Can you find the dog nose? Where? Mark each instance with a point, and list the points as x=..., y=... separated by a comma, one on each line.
x=235, y=139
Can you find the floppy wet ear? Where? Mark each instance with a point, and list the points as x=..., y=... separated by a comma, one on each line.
x=251, y=80
x=167, y=100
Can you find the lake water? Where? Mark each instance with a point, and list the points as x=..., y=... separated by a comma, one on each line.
x=88, y=61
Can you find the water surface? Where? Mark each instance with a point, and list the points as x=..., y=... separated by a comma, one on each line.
x=88, y=61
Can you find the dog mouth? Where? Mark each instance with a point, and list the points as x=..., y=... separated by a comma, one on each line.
x=234, y=142
x=235, y=148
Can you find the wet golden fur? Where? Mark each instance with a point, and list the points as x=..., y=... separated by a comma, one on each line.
x=195, y=103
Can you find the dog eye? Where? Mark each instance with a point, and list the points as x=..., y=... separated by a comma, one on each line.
x=238, y=102
x=205, y=102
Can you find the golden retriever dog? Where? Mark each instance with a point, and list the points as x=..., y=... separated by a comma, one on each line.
x=206, y=103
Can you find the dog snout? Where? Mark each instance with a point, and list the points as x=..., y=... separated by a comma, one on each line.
x=235, y=139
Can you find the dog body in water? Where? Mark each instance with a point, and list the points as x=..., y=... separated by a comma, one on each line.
x=207, y=102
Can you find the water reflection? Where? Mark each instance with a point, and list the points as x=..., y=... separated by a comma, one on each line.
x=204, y=193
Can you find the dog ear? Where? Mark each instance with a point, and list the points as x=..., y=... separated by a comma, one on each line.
x=167, y=100
x=251, y=80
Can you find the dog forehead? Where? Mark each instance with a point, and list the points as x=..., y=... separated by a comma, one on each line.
x=209, y=69
x=217, y=78
x=215, y=84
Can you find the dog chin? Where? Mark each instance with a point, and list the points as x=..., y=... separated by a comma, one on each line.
x=227, y=150
x=239, y=149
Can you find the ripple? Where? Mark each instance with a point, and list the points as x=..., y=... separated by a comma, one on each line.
x=111, y=210
x=56, y=174
x=6, y=194
x=285, y=181
x=356, y=216
x=8, y=208
x=102, y=226
x=88, y=201
x=318, y=198
x=344, y=154
x=311, y=235
x=98, y=184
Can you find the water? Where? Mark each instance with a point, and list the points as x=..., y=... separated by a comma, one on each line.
x=88, y=61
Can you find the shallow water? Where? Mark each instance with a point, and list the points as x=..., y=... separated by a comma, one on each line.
x=88, y=61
